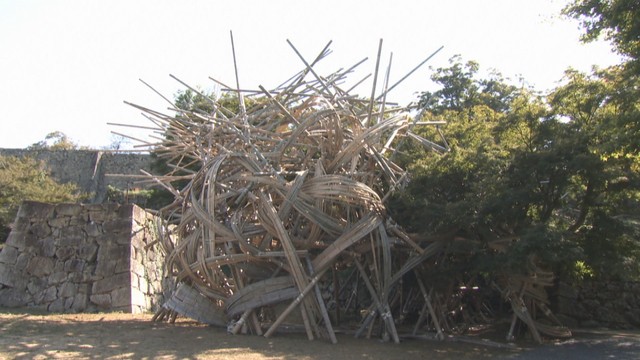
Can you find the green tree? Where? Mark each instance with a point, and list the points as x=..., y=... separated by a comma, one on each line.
x=56, y=140
x=602, y=110
x=479, y=190
x=559, y=173
x=599, y=114
x=27, y=179
x=617, y=20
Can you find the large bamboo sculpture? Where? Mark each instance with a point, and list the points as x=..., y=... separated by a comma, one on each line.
x=274, y=198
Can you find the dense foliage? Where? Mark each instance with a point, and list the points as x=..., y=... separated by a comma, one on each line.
x=557, y=176
x=27, y=179
x=617, y=20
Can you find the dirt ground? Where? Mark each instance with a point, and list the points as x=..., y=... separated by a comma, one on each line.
x=28, y=334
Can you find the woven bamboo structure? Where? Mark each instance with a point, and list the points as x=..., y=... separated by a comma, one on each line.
x=275, y=201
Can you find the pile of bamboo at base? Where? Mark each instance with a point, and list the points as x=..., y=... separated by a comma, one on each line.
x=284, y=210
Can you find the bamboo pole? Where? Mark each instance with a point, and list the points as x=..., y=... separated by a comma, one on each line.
x=385, y=312
x=298, y=300
x=306, y=172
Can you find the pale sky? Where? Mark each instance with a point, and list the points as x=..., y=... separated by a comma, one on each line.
x=69, y=65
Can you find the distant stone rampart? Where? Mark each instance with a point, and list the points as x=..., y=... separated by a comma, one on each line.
x=82, y=258
x=611, y=304
x=90, y=169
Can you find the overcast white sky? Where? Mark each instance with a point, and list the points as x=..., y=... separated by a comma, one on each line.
x=68, y=65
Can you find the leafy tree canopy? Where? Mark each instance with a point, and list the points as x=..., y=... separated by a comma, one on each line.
x=56, y=140
x=617, y=20
x=27, y=179
x=559, y=173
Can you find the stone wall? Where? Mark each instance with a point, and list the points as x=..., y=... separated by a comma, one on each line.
x=614, y=305
x=89, y=169
x=81, y=258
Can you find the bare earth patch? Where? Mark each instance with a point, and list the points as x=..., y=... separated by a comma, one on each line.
x=27, y=334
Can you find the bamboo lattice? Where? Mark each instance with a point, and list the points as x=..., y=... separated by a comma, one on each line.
x=272, y=199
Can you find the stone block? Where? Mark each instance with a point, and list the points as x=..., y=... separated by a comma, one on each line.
x=67, y=290
x=46, y=247
x=57, y=277
x=34, y=209
x=101, y=300
x=92, y=229
x=111, y=283
x=134, y=281
x=633, y=316
x=37, y=298
x=90, y=269
x=68, y=209
x=140, y=216
x=7, y=275
x=84, y=288
x=151, y=255
x=20, y=280
x=58, y=223
x=20, y=224
x=137, y=268
x=72, y=236
x=59, y=266
x=117, y=226
x=50, y=294
x=10, y=297
x=112, y=252
x=65, y=252
x=79, y=302
x=75, y=277
x=126, y=211
x=36, y=285
x=22, y=262
x=608, y=316
x=77, y=222
x=143, y=285
x=30, y=241
x=138, y=298
x=105, y=239
x=88, y=252
x=112, y=208
x=121, y=297
x=123, y=239
x=98, y=216
x=9, y=255
x=40, y=266
x=74, y=266
x=16, y=239
x=106, y=268
x=56, y=305
x=122, y=265
x=155, y=287
x=137, y=240
x=68, y=302
x=91, y=208
x=40, y=229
